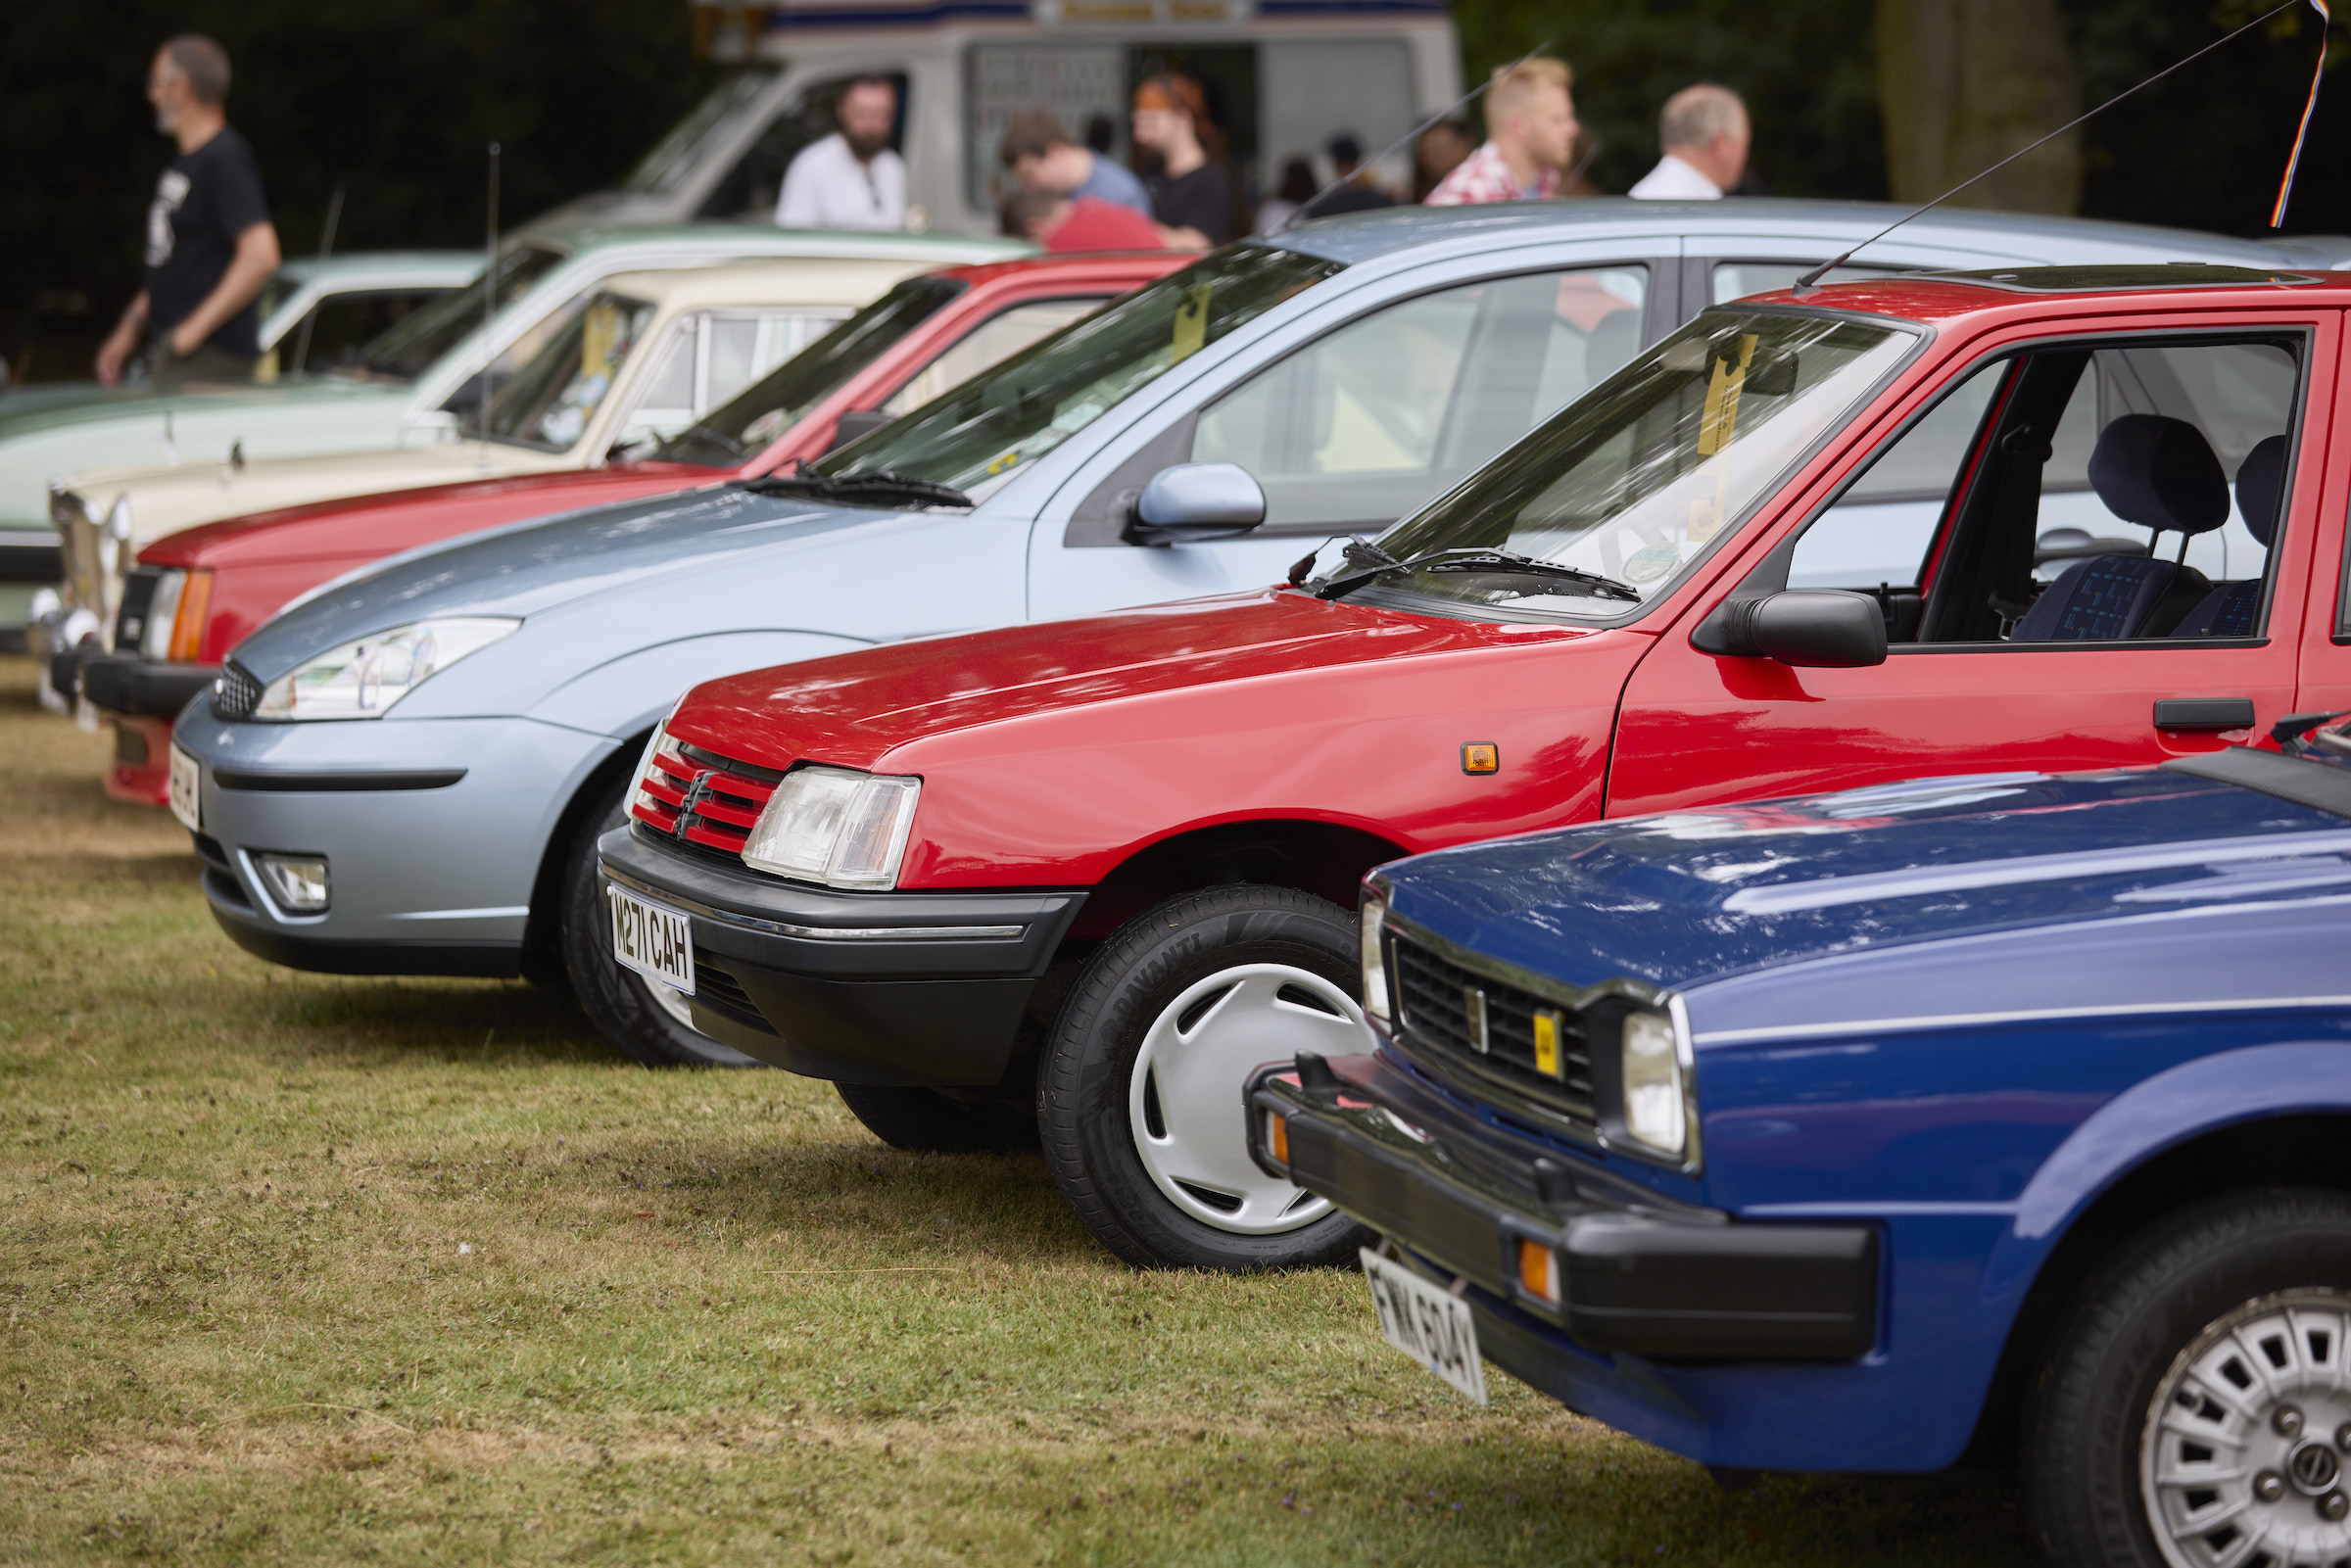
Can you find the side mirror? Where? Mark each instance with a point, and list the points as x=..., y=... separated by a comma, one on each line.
x=857, y=422
x=1822, y=628
x=1195, y=502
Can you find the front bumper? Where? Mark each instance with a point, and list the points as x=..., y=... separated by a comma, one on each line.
x=1642, y=1275
x=124, y=683
x=907, y=988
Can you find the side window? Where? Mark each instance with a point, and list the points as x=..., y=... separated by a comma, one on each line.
x=1366, y=424
x=2112, y=493
x=1000, y=337
x=709, y=357
x=338, y=326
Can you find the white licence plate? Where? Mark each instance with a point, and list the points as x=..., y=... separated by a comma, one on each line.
x=187, y=800
x=1428, y=1324
x=652, y=940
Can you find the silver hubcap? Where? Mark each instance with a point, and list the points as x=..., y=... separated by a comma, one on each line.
x=1184, y=1100
x=2244, y=1453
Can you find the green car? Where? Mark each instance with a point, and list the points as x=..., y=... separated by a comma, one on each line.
x=422, y=380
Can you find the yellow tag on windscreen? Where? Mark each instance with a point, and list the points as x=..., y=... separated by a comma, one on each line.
x=1191, y=322
x=597, y=337
x=1718, y=421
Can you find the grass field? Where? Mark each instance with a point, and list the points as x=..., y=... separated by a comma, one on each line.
x=299, y=1268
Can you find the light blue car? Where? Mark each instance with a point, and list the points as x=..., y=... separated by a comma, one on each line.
x=406, y=772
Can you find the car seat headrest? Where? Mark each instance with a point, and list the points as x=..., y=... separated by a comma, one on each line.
x=2260, y=486
x=2159, y=473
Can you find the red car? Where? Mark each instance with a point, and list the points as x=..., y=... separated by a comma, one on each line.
x=199, y=592
x=2047, y=519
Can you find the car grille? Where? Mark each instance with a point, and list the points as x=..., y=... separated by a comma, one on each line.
x=237, y=693
x=699, y=797
x=1440, y=1016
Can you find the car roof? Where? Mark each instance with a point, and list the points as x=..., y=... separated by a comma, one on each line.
x=1940, y=297
x=730, y=238
x=1076, y=266
x=827, y=280
x=1389, y=231
x=358, y=265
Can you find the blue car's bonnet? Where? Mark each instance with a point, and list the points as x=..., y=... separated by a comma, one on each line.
x=1690, y=898
x=532, y=566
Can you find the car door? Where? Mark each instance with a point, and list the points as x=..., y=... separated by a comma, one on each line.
x=1960, y=522
x=709, y=356
x=1346, y=430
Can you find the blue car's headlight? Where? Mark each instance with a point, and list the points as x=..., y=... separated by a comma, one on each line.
x=364, y=678
x=1656, y=1086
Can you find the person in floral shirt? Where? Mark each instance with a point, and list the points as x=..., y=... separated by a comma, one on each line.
x=1531, y=130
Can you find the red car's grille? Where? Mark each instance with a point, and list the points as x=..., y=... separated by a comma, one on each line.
x=699, y=797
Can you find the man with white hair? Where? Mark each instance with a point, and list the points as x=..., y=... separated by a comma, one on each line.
x=1705, y=134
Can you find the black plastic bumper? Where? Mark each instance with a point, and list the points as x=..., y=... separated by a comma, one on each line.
x=65, y=671
x=124, y=683
x=1641, y=1274
x=31, y=563
x=906, y=988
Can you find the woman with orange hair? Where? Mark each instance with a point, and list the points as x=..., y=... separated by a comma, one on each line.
x=1191, y=195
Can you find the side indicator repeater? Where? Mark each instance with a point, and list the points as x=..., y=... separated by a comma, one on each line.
x=1481, y=756
x=1277, y=1137
x=1539, y=1271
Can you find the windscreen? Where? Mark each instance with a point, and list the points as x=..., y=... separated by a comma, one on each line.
x=423, y=336
x=986, y=429
x=548, y=402
x=691, y=140
x=771, y=406
x=1626, y=487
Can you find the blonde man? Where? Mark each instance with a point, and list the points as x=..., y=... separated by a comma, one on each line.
x=1531, y=130
x=1705, y=137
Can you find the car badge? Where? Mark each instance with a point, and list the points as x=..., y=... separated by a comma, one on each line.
x=1473, y=1003
x=694, y=793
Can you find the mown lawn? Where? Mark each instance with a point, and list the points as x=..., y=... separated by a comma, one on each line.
x=298, y=1268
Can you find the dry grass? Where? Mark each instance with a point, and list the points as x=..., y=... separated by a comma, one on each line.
x=300, y=1268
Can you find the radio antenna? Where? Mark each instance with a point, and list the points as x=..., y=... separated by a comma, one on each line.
x=489, y=306
x=1446, y=113
x=327, y=246
x=1811, y=281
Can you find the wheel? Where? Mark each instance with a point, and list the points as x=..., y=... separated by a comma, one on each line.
x=646, y=1019
x=1140, y=1085
x=2195, y=1410
x=927, y=1120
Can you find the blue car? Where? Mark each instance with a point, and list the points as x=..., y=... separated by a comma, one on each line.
x=2006, y=1115
x=406, y=774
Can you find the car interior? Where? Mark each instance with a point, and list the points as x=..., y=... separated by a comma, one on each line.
x=2110, y=492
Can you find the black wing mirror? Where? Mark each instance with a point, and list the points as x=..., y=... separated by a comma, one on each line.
x=1823, y=629
x=1193, y=502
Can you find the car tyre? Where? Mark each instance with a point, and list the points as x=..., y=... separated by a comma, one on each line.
x=1139, y=1090
x=923, y=1121
x=2128, y=1460
x=652, y=1029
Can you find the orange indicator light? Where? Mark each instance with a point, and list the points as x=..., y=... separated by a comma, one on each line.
x=1539, y=1270
x=1481, y=756
x=1277, y=1136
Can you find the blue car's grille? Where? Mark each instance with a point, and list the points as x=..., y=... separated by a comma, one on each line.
x=1441, y=1017
x=237, y=693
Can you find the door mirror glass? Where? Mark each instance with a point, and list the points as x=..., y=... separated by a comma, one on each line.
x=1196, y=501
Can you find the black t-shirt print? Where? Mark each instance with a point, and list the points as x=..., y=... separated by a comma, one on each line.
x=202, y=203
x=1201, y=200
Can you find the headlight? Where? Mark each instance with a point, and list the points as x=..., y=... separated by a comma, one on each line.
x=832, y=826
x=362, y=679
x=1655, y=1100
x=175, y=626
x=1370, y=919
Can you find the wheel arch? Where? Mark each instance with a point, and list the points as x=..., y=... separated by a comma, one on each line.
x=2235, y=1149
x=1312, y=855
x=542, y=960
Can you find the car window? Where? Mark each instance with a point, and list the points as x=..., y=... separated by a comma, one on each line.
x=978, y=435
x=336, y=329
x=1983, y=521
x=549, y=401
x=1000, y=337
x=691, y=140
x=407, y=351
x=709, y=356
x=1605, y=506
x=1370, y=421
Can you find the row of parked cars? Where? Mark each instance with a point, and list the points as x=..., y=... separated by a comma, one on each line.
x=1761, y=854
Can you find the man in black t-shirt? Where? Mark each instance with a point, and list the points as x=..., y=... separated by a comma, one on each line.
x=209, y=243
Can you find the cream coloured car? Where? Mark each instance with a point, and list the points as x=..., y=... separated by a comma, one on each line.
x=637, y=358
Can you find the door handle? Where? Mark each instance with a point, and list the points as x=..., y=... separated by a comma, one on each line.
x=2204, y=713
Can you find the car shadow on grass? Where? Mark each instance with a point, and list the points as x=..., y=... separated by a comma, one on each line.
x=372, y=1022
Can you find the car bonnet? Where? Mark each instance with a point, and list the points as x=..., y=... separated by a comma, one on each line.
x=1687, y=899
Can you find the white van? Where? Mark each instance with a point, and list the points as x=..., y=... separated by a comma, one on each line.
x=1283, y=77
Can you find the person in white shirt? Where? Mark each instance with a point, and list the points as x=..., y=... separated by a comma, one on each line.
x=1705, y=137
x=850, y=179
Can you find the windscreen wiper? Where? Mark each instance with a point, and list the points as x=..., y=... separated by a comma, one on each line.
x=1373, y=563
x=883, y=483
